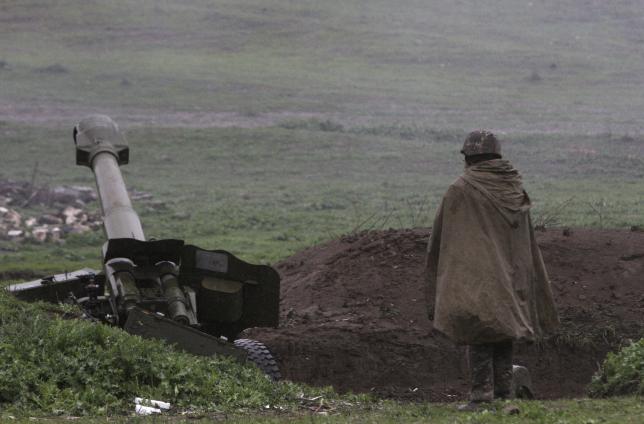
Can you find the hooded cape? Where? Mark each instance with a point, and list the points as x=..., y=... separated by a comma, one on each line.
x=486, y=278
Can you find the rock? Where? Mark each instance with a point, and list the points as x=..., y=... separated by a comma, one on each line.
x=70, y=194
x=511, y=410
x=71, y=215
x=95, y=225
x=15, y=233
x=50, y=219
x=12, y=218
x=40, y=233
x=55, y=234
x=77, y=228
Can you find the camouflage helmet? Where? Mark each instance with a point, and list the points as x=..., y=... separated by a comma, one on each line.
x=481, y=142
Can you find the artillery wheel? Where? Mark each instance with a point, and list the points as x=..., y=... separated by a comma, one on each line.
x=259, y=354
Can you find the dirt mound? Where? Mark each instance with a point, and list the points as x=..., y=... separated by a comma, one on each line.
x=353, y=314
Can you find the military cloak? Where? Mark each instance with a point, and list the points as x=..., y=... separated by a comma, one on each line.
x=486, y=278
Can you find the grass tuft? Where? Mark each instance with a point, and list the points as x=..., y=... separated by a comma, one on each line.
x=622, y=373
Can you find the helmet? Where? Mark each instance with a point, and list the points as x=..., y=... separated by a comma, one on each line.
x=481, y=142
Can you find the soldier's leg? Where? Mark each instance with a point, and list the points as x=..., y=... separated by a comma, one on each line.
x=502, y=364
x=481, y=366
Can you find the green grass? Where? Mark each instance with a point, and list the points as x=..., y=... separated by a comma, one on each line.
x=621, y=373
x=266, y=193
x=55, y=366
x=351, y=115
x=625, y=410
x=581, y=411
x=434, y=63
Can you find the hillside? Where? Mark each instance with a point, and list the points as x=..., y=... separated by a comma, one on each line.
x=517, y=66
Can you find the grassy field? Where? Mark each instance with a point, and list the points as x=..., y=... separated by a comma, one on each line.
x=264, y=127
x=550, y=66
x=266, y=193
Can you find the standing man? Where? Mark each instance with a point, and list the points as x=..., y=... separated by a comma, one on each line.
x=487, y=283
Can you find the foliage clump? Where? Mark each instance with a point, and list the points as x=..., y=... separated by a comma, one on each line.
x=50, y=365
x=622, y=373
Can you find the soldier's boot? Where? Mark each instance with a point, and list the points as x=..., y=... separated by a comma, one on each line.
x=502, y=363
x=480, y=363
x=522, y=383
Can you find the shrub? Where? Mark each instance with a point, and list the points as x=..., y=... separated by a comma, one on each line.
x=622, y=373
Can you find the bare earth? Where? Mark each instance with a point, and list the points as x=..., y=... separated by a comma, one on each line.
x=353, y=315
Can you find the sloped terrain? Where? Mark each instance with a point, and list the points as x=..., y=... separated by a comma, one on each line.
x=353, y=314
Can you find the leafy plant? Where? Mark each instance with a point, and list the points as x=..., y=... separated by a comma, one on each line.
x=621, y=373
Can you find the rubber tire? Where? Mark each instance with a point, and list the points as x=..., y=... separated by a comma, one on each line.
x=259, y=354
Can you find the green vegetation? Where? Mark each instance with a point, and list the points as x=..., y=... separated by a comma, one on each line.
x=581, y=411
x=342, y=116
x=53, y=366
x=266, y=193
x=622, y=373
x=516, y=66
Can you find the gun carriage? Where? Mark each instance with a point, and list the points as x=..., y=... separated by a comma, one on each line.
x=195, y=298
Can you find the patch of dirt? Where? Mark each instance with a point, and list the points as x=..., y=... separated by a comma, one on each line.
x=353, y=315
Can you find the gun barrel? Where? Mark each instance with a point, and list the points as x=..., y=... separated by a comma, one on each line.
x=119, y=218
x=101, y=146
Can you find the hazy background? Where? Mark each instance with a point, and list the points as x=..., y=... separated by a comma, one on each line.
x=266, y=126
x=572, y=66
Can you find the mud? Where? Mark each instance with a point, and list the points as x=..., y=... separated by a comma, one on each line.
x=353, y=315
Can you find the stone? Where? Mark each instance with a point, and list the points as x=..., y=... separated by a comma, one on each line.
x=55, y=234
x=50, y=219
x=511, y=410
x=40, y=233
x=78, y=228
x=15, y=233
x=71, y=214
x=12, y=218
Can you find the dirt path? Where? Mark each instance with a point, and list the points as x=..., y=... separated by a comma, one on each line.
x=353, y=315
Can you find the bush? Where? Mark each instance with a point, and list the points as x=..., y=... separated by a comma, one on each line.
x=621, y=373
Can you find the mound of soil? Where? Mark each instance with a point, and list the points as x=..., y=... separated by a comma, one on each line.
x=354, y=315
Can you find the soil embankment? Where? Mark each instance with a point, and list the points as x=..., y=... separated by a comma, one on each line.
x=353, y=314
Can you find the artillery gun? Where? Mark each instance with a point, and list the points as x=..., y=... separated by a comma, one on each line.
x=195, y=298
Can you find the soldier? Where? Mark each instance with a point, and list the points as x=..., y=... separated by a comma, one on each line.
x=487, y=283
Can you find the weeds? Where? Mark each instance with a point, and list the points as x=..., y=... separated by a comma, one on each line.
x=622, y=373
x=600, y=208
x=551, y=216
